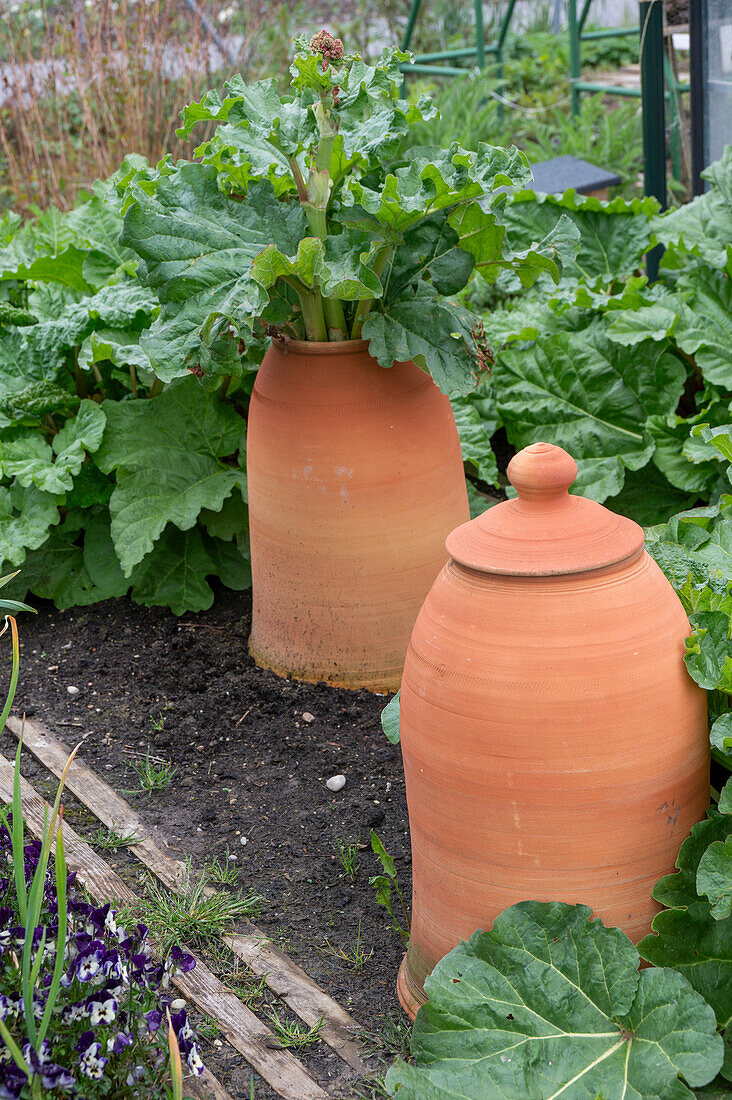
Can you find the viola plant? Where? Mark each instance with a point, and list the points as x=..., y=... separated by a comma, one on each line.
x=82, y=998
x=298, y=218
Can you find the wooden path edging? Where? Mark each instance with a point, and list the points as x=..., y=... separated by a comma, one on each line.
x=283, y=976
x=245, y=1031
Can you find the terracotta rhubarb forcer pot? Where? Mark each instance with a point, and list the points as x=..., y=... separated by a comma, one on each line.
x=554, y=746
x=355, y=479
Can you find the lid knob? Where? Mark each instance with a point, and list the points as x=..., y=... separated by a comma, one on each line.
x=541, y=473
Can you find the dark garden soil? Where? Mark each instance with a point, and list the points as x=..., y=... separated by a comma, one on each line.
x=252, y=753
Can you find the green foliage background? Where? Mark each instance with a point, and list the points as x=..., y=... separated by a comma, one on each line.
x=108, y=486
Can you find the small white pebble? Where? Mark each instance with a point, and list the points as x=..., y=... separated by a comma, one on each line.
x=242, y=840
x=177, y=1004
x=232, y=857
x=336, y=783
x=308, y=717
x=72, y=690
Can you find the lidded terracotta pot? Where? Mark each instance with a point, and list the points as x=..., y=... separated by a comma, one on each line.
x=555, y=748
x=355, y=478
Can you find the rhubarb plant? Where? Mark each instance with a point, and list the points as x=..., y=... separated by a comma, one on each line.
x=298, y=218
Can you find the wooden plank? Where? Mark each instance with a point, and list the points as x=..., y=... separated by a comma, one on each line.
x=283, y=976
x=245, y=1031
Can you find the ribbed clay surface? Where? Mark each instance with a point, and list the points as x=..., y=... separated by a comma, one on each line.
x=355, y=479
x=554, y=746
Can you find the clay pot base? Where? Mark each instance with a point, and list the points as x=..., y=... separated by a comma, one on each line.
x=411, y=996
x=381, y=684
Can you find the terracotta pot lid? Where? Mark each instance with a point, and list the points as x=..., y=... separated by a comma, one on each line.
x=544, y=531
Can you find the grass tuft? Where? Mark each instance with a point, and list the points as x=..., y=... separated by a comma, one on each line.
x=198, y=915
x=294, y=1034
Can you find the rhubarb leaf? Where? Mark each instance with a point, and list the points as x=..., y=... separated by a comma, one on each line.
x=335, y=266
x=613, y=236
x=436, y=333
x=433, y=179
x=550, y=1002
x=167, y=454
x=714, y=877
x=26, y=516
x=390, y=719
x=686, y=935
x=585, y=394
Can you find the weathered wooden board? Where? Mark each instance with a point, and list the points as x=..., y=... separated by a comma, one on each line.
x=245, y=1031
x=283, y=976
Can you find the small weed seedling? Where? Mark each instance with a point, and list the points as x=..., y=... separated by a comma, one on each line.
x=250, y=989
x=222, y=871
x=385, y=884
x=158, y=724
x=355, y=957
x=196, y=916
x=107, y=840
x=347, y=857
x=153, y=775
x=209, y=1029
x=392, y=1040
x=293, y=1034
x=371, y=1087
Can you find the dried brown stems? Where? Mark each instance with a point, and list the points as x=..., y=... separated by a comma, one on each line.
x=91, y=84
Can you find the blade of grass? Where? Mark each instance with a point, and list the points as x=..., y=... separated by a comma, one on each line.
x=58, y=966
x=15, y=1052
x=18, y=839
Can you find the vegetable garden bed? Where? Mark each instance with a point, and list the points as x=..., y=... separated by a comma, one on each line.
x=135, y=668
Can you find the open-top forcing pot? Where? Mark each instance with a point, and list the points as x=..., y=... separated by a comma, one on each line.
x=554, y=746
x=355, y=479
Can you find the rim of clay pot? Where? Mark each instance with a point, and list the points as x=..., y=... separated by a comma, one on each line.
x=319, y=347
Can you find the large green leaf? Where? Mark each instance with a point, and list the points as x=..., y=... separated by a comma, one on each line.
x=390, y=719
x=582, y=392
x=648, y=497
x=550, y=1003
x=230, y=522
x=26, y=515
x=335, y=266
x=76, y=565
x=52, y=469
x=167, y=454
x=721, y=736
x=433, y=179
x=430, y=252
x=714, y=877
x=703, y=226
x=698, y=318
x=436, y=333
x=174, y=574
x=197, y=247
x=96, y=225
x=686, y=935
x=476, y=423
x=286, y=124
x=145, y=501
x=124, y=305
x=482, y=237
x=697, y=543
x=690, y=463
x=708, y=654
x=613, y=236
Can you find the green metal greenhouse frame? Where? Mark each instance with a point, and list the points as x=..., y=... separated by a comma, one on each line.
x=433, y=64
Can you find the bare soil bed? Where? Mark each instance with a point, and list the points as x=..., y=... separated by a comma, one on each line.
x=249, y=781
